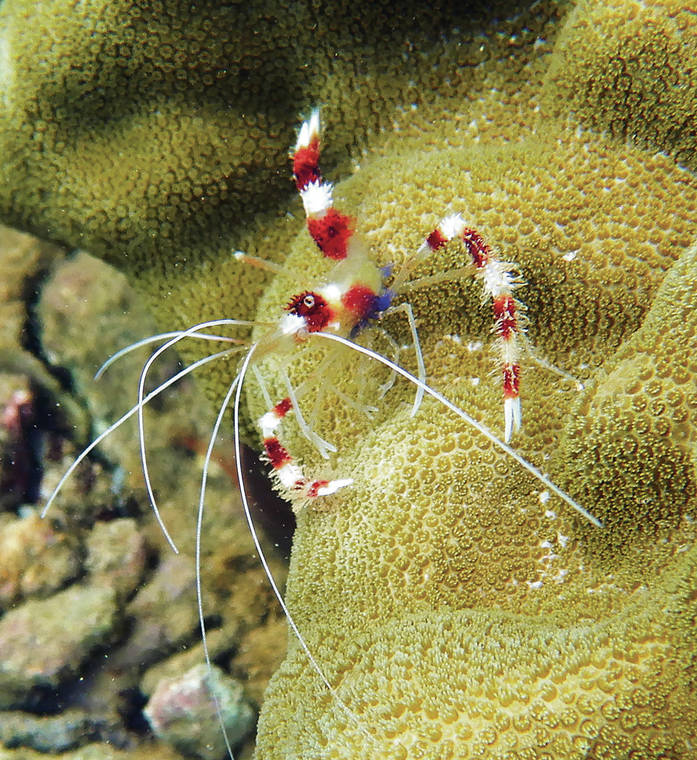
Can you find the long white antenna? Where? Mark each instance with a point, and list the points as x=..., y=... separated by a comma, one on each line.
x=155, y=392
x=139, y=407
x=262, y=556
x=199, y=529
x=153, y=339
x=467, y=418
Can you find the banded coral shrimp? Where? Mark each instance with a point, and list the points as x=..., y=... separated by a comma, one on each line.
x=356, y=294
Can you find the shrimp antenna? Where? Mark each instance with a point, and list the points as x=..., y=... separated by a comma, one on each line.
x=466, y=417
x=155, y=392
x=190, y=331
x=255, y=538
x=199, y=531
x=154, y=339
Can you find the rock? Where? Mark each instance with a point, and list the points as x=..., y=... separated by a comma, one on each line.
x=148, y=751
x=219, y=641
x=116, y=554
x=260, y=653
x=54, y=733
x=37, y=558
x=182, y=712
x=164, y=611
x=80, y=333
x=43, y=643
x=20, y=441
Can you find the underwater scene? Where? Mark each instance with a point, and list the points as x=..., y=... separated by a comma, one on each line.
x=384, y=320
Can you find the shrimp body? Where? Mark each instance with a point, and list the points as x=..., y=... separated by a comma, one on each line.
x=353, y=295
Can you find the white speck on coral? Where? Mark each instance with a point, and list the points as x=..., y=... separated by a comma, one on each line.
x=563, y=540
x=544, y=498
x=534, y=585
x=475, y=381
x=551, y=514
x=475, y=345
x=570, y=256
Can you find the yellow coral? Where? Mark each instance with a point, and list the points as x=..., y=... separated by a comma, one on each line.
x=629, y=67
x=155, y=134
x=454, y=612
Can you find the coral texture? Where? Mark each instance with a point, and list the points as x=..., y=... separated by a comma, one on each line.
x=631, y=68
x=154, y=134
x=457, y=609
x=460, y=613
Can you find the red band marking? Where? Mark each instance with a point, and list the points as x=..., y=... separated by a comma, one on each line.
x=505, y=315
x=312, y=308
x=331, y=233
x=313, y=488
x=436, y=239
x=306, y=165
x=511, y=380
x=476, y=247
x=359, y=300
x=282, y=408
x=277, y=454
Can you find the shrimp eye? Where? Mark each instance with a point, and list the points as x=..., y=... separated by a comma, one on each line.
x=312, y=308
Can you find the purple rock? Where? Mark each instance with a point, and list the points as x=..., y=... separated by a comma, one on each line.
x=182, y=712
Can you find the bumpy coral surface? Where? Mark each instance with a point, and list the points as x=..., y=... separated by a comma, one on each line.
x=457, y=608
x=154, y=134
x=630, y=68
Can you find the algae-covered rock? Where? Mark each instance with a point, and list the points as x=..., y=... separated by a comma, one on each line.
x=43, y=643
x=116, y=555
x=37, y=558
x=47, y=734
x=148, y=751
x=182, y=712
